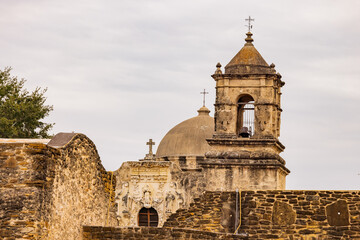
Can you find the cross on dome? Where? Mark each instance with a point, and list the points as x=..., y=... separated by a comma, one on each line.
x=204, y=92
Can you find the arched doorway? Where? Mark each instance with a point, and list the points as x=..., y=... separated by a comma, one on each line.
x=148, y=217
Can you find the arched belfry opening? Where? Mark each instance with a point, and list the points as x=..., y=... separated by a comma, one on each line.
x=148, y=217
x=245, y=116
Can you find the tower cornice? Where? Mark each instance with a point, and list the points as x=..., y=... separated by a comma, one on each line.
x=246, y=142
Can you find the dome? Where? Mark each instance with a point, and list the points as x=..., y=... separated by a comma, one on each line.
x=188, y=138
x=248, y=61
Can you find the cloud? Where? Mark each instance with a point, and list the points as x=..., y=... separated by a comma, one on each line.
x=124, y=72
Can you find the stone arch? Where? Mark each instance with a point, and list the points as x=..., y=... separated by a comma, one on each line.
x=245, y=116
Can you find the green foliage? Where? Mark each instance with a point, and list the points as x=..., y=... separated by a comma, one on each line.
x=20, y=110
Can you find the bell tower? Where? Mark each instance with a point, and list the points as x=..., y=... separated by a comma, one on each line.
x=245, y=147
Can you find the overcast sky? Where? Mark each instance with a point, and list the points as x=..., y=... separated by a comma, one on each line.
x=122, y=72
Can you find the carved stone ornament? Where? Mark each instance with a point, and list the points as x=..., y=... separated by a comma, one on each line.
x=147, y=198
x=122, y=197
x=169, y=201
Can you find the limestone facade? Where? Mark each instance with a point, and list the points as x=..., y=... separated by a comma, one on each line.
x=148, y=184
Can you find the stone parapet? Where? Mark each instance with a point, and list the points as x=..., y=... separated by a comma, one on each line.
x=147, y=233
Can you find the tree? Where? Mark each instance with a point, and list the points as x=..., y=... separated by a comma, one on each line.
x=21, y=112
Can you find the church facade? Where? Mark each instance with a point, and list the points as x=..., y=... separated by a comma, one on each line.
x=237, y=149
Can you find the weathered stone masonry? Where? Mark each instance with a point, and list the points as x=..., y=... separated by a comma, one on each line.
x=148, y=233
x=213, y=212
x=276, y=214
x=80, y=189
x=301, y=214
x=49, y=191
x=23, y=168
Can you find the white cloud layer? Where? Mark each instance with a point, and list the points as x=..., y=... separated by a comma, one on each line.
x=122, y=72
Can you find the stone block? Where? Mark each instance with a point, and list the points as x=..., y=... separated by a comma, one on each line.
x=337, y=213
x=283, y=214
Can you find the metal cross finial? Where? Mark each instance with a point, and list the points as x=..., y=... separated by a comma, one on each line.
x=150, y=143
x=204, y=96
x=249, y=20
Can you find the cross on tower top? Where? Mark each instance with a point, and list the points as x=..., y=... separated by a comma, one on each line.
x=249, y=24
x=204, y=92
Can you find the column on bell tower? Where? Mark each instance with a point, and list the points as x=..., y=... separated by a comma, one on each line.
x=245, y=147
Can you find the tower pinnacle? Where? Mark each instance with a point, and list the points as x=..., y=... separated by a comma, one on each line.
x=249, y=39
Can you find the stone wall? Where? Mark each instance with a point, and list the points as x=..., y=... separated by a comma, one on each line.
x=79, y=190
x=148, y=233
x=48, y=191
x=301, y=214
x=213, y=212
x=276, y=214
x=23, y=167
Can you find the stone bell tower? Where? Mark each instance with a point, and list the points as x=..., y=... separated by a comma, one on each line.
x=245, y=147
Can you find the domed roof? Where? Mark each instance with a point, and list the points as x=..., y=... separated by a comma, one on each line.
x=248, y=60
x=188, y=138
